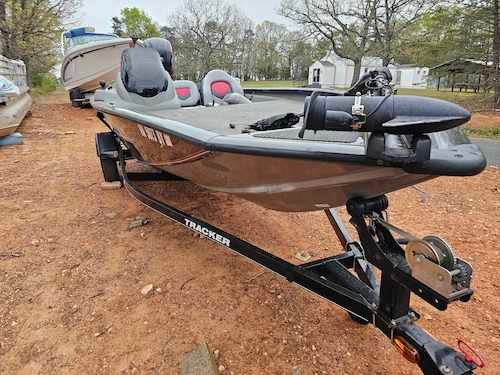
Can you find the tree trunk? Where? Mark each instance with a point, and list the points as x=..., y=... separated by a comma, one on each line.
x=3, y=36
x=357, y=71
x=496, y=46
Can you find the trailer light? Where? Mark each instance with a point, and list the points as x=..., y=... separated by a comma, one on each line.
x=406, y=350
x=471, y=356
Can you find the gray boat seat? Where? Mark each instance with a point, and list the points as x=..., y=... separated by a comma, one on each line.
x=143, y=82
x=216, y=85
x=187, y=93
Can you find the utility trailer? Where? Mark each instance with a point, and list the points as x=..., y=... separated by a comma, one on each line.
x=347, y=279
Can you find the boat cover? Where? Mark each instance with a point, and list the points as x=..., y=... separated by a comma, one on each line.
x=164, y=49
x=8, y=88
x=140, y=73
x=14, y=71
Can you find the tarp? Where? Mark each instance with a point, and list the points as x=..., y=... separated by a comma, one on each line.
x=14, y=71
x=13, y=139
x=8, y=88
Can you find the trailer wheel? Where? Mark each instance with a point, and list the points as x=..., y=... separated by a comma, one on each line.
x=75, y=96
x=358, y=320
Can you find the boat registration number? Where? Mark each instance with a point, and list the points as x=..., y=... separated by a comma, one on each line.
x=155, y=136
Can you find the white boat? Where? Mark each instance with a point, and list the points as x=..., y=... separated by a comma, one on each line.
x=15, y=101
x=89, y=58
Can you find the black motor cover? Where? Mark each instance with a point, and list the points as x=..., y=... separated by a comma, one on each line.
x=164, y=48
x=395, y=114
x=142, y=72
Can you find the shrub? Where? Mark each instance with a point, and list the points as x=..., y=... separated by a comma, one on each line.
x=43, y=83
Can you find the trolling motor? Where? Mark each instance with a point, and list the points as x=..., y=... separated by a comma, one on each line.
x=412, y=115
x=375, y=82
x=398, y=124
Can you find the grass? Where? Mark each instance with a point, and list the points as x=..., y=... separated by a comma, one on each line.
x=471, y=101
x=42, y=84
x=491, y=133
x=272, y=84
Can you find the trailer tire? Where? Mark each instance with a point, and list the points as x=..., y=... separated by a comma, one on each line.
x=74, y=95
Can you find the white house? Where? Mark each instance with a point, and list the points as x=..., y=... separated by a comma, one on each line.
x=409, y=76
x=335, y=71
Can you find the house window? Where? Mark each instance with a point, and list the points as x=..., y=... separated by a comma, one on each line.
x=366, y=70
x=316, y=75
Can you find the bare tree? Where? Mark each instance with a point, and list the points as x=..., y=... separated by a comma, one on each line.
x=496, y=46
x=392, y=19
x=271, y=44
x=209, y=34
x=348, y=25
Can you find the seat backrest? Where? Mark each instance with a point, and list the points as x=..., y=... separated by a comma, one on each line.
x=142, y=72
x=216, y=85
x=142, y=81
x=187, y=93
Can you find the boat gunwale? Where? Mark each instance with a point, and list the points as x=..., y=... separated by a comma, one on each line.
x=443, y=162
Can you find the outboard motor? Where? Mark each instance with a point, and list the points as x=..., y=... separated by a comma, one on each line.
x=164, y=49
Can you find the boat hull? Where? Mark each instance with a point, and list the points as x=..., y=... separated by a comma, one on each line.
x=84, y=68
x=278, y=183
x=13, y=112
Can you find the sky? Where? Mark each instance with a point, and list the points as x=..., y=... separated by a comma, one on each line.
x=98, y=13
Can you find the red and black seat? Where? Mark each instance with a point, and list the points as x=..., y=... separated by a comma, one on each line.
x=218, y=85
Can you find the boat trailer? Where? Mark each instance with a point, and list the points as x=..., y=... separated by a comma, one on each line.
x=407, y=265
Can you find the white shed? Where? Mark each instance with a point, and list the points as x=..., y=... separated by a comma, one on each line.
x=335, y=71
x=409, y=76
x=322, y=72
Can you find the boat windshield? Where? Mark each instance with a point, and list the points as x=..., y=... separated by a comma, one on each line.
x=86, y=38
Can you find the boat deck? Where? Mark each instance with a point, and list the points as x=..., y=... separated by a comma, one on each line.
x=218, y=119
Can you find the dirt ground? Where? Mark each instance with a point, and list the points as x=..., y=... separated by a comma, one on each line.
x=71, y=271
x=484, y=120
